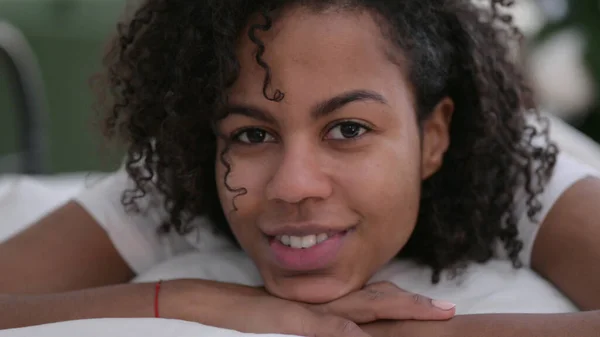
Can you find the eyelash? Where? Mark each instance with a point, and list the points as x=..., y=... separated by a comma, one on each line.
x=235, y=137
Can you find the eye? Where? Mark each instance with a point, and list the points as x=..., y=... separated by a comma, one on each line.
x=347, y=130
x=253, y=136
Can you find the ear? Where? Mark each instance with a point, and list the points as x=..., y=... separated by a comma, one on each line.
x=436, y=137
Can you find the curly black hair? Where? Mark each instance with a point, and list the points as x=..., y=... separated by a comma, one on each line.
x=170, y=66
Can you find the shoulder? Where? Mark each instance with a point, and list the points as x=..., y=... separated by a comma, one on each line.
x=579, y=158
x=133, y=233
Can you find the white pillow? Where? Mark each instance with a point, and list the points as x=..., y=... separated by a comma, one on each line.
x=494, y=287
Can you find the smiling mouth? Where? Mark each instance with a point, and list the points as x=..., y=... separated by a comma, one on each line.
x=300, y=242
x=307, y=241
x=309, y=252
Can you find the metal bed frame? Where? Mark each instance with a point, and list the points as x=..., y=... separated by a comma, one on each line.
x=27, y=91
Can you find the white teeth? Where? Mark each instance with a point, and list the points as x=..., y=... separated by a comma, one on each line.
x=302, y=241
x=322, y=237
x=295, y=242
x=309, y=241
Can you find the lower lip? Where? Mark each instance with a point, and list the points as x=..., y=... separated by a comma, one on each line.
x=319, y=256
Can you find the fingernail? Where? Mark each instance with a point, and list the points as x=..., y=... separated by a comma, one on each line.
x=444, y=305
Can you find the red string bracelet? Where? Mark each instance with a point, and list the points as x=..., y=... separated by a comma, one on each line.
x=156, y=292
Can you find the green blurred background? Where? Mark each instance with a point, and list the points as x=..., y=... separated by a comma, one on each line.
x=68, y=36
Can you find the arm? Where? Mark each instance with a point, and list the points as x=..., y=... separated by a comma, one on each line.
x=43, y=267
x=129, y=300
x=585, y=324
x=248, y=309
x=66, y=250
x=65, y=268
x=190, y=300
x=567, y=247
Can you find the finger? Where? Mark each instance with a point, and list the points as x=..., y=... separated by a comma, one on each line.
x=390, y=302
x=384, y=300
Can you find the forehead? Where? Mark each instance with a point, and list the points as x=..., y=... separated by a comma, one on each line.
x=314, y=55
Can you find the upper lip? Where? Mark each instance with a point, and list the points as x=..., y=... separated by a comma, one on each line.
x=302, y=229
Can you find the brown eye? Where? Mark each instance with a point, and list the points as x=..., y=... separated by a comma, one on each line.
x=253, y=136
x=346, y=130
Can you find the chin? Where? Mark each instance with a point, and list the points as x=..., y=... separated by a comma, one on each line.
x=312, y=290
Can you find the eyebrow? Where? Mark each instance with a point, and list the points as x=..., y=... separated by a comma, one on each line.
x=320, y=110
x=325, y=108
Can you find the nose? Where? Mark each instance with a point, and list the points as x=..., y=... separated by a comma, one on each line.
x=299, y=176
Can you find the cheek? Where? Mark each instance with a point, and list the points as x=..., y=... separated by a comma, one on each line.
x=386, y=192
x=240, y=188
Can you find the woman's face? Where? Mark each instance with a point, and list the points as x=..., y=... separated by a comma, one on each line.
x=332, y=173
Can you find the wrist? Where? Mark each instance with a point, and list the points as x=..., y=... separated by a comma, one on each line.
x=177, y=299
x=199, y=300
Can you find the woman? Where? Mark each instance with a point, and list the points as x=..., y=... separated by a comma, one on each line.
x=325, y=138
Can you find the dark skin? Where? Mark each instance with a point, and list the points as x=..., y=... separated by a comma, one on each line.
x=526, y=325
x=566, y=248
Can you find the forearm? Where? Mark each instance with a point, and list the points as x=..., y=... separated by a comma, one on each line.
x=127, y=300
x=582, y=324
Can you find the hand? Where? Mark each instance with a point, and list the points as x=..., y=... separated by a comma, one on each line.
x=250, y=310
x=385, y=301
x=253, y=310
